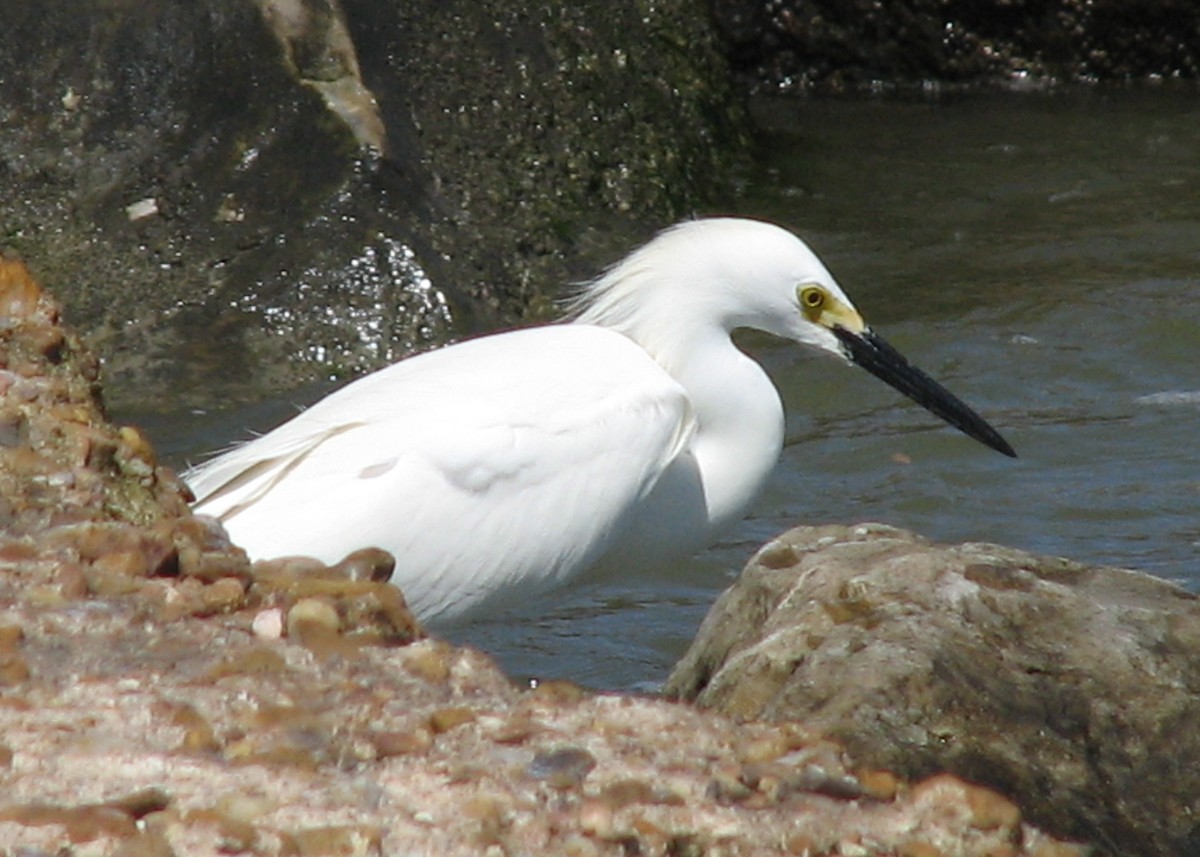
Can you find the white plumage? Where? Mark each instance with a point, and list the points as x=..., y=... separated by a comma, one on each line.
x=504, y=465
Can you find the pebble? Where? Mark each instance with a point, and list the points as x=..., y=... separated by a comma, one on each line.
x=429, y=660
x=596, y=819
x=397, y=743
x=562, y=768
x=142, y=209
x=225, y=595
x=445, y=719
x=879, y=784
x=310, y=614
x=373, y=564
x=338, y=839
x=146, y=844
x=268, y=624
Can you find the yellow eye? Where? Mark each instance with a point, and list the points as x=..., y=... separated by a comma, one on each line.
x=812, y=297
x=812, y=301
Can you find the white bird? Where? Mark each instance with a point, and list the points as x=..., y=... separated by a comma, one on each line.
x=498, y=467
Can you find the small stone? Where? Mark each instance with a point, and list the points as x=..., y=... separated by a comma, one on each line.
x=373, y=564
x=765, y=748
x=70, y=581
x=256, y=661
x=557, y=692
x=284, y=568
x=563, y=768
x=142, y=802
x=375, y=613
x=221, y=596
x=623, y=793
x=109, y=580
x=596, y=818
x=349, y=840
x=13, y=669
x=445, y=719
x=142, y=209
x=777, y=555
x=268, y=624
x=145, y=844
x=246, y=807
x=129, y=563
x=85, y=823
x=490, y=813
x=235, y=835
x=880, y=785
x=819, y=779
x=802, y=843
x=19, y=292
x=430, y=660
x=198, y=736
x=14, y=429
x=516, y=729
x=399, y=743
x=574, y=845
x=726, y=788
x=990, y=810
x=207, y=566
x=10, y=638
x=137, y=446
x=312, y=614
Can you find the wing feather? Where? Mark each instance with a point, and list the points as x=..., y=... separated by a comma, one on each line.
x=495, y=465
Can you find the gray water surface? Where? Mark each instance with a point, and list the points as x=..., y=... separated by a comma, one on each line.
x=1039, y=254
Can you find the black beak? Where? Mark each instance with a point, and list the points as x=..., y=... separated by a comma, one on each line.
x=887, y=364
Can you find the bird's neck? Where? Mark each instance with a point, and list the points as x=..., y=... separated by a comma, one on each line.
x=739, y=419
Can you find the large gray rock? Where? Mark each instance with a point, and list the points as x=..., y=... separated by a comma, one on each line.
x=783, y=45
x=231, y=196
x=1072, y=689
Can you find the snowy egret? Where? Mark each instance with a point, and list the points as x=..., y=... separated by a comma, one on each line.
x=503, y=465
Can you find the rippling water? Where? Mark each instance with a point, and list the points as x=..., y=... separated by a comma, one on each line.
x=1039, y=254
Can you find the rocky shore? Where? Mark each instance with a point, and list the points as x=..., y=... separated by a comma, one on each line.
x=159, y=695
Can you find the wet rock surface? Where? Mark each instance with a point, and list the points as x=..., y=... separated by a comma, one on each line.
x=233, y=197
x=1071, y=689
x=792, y=45
x=159, y=695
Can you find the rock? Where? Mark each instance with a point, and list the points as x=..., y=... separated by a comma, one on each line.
x=1070, y=689
x=86, y=505
x=238, y=197
x=788, y=45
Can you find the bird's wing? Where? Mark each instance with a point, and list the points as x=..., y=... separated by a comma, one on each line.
x=244, y=474
x=493, y=464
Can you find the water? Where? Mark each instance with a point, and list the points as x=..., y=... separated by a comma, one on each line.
x=1039, y=254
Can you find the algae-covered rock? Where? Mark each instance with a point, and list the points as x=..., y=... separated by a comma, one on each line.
x=790, y=45
x=234, y=197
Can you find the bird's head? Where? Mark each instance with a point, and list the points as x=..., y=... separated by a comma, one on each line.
x=740, y=273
